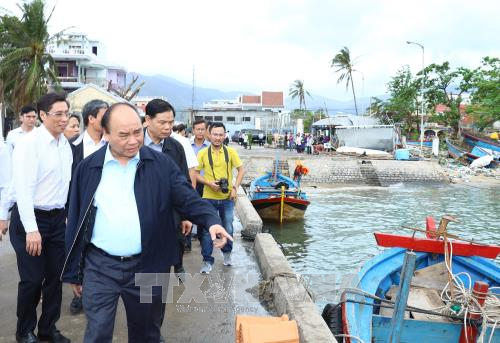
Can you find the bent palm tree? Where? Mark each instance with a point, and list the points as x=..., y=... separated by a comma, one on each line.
x=343, y=62
x=297, y=91
x=25, y=66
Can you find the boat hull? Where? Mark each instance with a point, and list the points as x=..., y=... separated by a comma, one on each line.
x=456, y=152
x=270, y=208
x=382, y=272
x=473, y=141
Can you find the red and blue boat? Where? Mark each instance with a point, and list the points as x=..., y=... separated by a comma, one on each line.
x=277, y=197
x=414, y=293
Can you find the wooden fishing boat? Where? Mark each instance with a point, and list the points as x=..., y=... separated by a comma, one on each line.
x=474, y=140
x=457, y=152
x=405, y=296
x=272, y=202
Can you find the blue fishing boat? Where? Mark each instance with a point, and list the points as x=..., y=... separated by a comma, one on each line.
x=475, y=141
x=457, y=152
x=276, y=196
x=405, y=296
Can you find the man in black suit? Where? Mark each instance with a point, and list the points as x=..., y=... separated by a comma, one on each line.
x=106, y=249
x=83, y=146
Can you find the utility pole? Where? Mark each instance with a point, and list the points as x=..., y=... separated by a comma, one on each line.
x=192, y=100
x=422, y=101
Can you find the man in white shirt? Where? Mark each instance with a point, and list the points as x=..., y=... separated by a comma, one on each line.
x=41, y=172
x=191, y=159
x=27, y=117
x=4, y=178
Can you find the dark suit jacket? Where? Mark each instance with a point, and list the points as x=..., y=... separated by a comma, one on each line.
x=174, y=149
x=159, y=188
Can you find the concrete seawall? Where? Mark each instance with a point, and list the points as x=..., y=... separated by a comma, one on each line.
x=351, y=170
x=289, y=296
x=250, y=221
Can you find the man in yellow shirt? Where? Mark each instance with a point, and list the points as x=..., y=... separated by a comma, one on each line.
x=217, y=163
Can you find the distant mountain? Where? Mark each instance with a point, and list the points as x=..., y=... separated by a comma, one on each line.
x=180, y=94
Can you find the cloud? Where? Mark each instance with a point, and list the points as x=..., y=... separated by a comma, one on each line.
x=251, y=46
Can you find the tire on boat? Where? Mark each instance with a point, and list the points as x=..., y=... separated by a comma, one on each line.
x=332, y=315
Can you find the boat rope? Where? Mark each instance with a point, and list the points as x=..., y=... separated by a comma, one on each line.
x=460, y=300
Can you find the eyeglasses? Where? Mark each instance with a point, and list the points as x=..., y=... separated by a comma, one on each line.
x=58, y=114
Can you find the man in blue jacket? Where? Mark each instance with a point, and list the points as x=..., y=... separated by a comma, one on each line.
x=120, y=223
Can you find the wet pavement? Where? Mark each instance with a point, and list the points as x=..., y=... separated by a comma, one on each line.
x=211, y=318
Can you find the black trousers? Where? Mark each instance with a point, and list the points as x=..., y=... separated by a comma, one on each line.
x=104, y=281
x=40, y=275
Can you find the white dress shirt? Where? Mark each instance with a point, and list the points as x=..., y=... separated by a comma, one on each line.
x=41, y=172
x=89, y=147
x=191, y=159
x=5, y=167
x=13, y=136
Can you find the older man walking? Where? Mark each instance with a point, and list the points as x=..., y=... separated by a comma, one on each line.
x=120, y=223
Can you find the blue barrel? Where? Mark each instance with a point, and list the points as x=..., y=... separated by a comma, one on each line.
x=402, y=154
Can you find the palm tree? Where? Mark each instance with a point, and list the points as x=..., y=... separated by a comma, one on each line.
x=297, y=91
x=26, y=69
x=343, y=62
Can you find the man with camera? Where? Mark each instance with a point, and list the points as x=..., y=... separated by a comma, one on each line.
x=217, y=162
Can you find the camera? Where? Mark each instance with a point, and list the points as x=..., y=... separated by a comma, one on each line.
x=224, y=185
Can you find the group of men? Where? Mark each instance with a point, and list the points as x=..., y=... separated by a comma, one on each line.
x=117, y=200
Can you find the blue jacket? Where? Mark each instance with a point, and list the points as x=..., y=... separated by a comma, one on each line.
x=159, y=189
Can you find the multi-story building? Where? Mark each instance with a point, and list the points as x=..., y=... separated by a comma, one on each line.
x=263, y=111
x=80, y=60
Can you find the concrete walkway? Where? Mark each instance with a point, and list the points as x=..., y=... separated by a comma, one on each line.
x=211, y=321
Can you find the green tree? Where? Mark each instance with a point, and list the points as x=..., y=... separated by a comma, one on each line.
x=377, y=108
x=445, y=86
x=342, y=61
x=485, y=103
x=308, y=117
x=26, y=69
x=402, y=105
x=297, y=90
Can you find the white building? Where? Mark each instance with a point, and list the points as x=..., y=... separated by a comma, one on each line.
x=80, y=60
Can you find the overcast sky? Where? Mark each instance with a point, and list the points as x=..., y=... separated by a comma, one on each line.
x=267, y=44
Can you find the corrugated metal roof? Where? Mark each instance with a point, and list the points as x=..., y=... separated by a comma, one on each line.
x=347, y=120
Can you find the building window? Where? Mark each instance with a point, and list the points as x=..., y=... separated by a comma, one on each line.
x=209, y=118
x=231, y=119
x=198, y=117
x=247, y=119
x=94, y=50
x=218, y=118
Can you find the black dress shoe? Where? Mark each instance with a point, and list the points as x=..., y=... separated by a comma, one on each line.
x=54, y=337
x=28, y=338
x=76, y=306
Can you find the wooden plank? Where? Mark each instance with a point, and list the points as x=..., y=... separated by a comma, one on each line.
x=402, y=297
x=434, y=277
x=426, y=299
x=435, y=246
x=423, y=298
x=391, y=295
